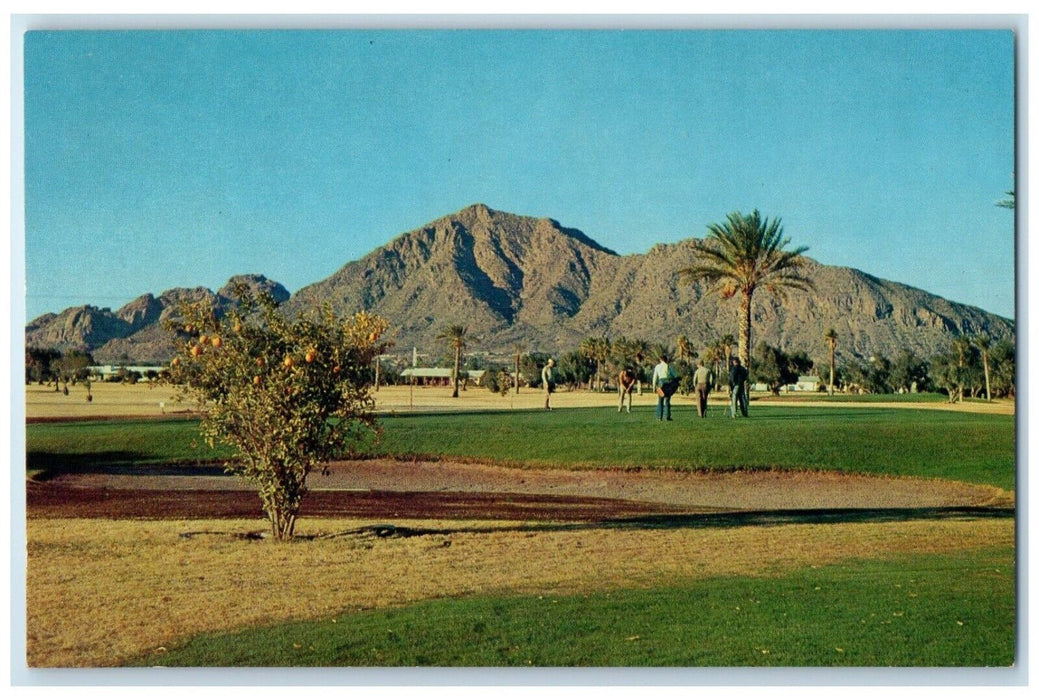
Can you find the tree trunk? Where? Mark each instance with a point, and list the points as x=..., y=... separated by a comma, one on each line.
x=832, y=356
x=283, y=523
x=458, y=362
x=744, y=327
x=988, y=391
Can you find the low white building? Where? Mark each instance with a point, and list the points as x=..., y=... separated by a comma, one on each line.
x=106, y=371
x=439, y=375
x=805, y=383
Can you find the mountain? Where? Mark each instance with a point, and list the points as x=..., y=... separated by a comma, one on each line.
x=508, y=278
x=134, y=334
x=531, y=282
x=520, y=280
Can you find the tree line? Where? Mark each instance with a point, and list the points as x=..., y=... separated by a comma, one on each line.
x=740, y=257
x=972, y=366
x=63, y=369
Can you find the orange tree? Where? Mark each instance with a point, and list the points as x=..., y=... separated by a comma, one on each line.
x=285, y=395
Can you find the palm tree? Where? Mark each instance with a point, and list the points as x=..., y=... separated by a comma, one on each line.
x=744, y=254
x=684, y=349
x=639, y=349
x=620, y=352
x=519, y=353
x=456, y=337
x=710, y=356
x=726, y=343
x=658, y=350
x=597, y=349
x=961, y=346
x=983, y=342
x=831, y=338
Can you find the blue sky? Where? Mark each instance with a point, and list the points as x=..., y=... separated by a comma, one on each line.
x=176, y=159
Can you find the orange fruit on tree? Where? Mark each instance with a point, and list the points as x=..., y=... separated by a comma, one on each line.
x=217, y=342
x=288, y=362
x=196, y=350
x=311, y=355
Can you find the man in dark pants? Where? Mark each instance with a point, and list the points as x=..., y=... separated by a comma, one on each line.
x=703, y=380
x=664, y=384
x=738, y=386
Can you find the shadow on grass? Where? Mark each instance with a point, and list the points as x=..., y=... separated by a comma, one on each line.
x=116, y=462
x=796, y=413
x=728, y=519
x=809, y=517
x=452, y=412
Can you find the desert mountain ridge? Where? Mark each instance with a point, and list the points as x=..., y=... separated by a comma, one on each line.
x=519, y=281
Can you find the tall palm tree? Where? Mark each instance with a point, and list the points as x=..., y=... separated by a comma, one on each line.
x=456, y=337
x=744, y=254
x=983, y=342
x=831, y=339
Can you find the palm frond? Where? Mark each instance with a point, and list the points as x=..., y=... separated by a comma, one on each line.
x=747, y=251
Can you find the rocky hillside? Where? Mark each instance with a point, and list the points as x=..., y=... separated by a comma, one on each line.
x=519, y=280
x=516, y=280
x=134, y=334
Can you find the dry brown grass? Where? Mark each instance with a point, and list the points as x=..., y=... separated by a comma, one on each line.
x=124, y=400
x=102, y=591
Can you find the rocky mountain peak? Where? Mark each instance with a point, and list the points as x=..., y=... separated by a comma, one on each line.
x=255, y=283
x=520, y=280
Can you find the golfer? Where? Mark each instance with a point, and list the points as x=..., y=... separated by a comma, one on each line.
x=625, y=385
x=738, y=376
x=703, y=379
x=548, y=380
x=664, y=383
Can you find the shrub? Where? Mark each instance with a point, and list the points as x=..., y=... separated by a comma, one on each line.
x=285, y=396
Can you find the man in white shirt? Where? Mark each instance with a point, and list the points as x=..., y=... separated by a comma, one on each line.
x=664, y=384
x=548, y=380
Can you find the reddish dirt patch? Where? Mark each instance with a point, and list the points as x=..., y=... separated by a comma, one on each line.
x=381, y=488
x=53, y=501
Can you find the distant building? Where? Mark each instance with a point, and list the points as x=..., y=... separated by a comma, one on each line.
x=437, y=376
x=106, y=371
x=805, y=383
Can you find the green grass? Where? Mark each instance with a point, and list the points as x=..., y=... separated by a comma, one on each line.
x=78, y=445
x=969, y=447
x=921, y=611
x=859, y=398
